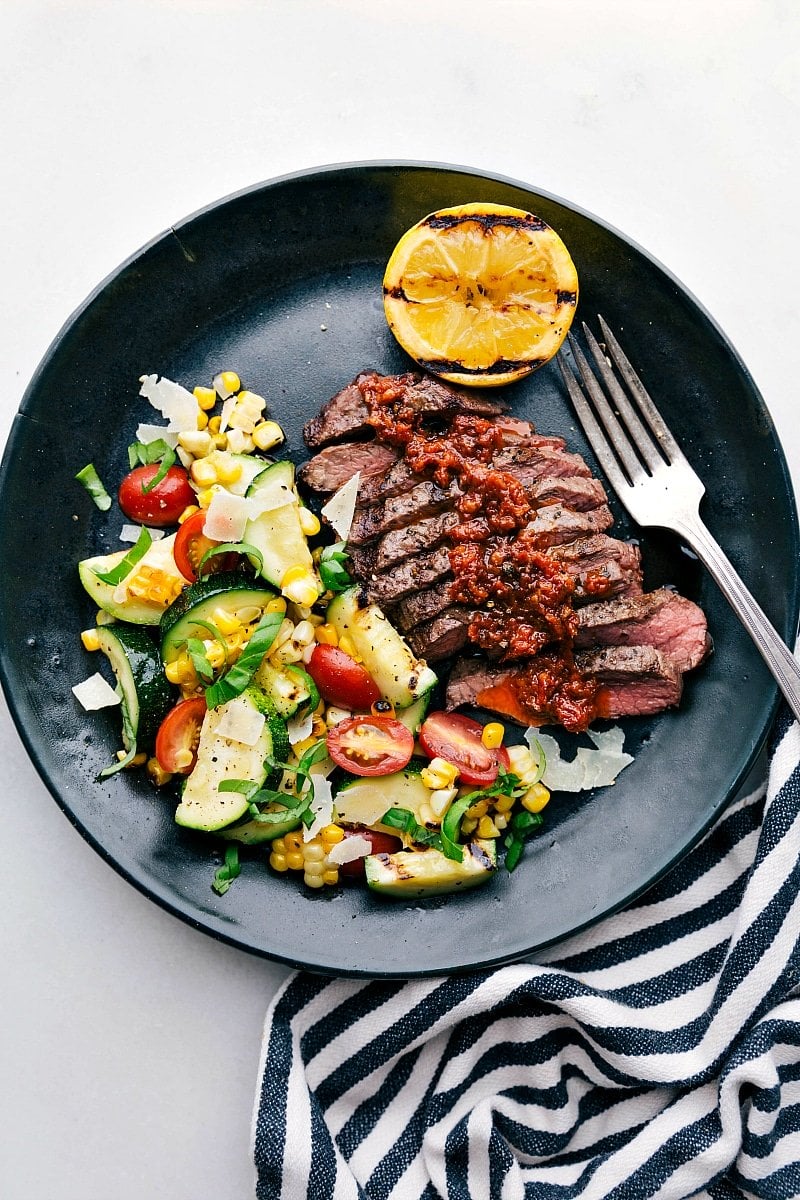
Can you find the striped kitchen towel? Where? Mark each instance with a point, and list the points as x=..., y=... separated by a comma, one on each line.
x=654, y=1055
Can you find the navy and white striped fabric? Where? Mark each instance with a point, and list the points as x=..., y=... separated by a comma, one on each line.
x=655, y=1055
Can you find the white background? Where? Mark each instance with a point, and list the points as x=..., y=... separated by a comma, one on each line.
x=129, y=1043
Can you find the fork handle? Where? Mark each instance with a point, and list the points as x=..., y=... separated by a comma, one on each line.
x=772, y=648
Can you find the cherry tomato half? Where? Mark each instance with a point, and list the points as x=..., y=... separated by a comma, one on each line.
x=370, y=745
x=341, y=680
x=161, y=506
x=381, y=843
x=179, y=734
x=191, y=544
x=458, y=740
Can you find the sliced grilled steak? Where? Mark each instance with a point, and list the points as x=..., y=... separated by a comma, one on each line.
x=422, y=535
x=332, y=467
x=442, y=637
x=423, y=606
x=423, y=500
x=637, y=680
x=424, y=394
x=575, y=491
x=408, y=576
x=662, y=619
x=555, y=524
x=344, y=416
x=540, y=460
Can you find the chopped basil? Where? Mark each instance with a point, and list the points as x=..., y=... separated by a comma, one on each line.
x=229, y=871
x=297, y=805
x=232, y=548
x=145, y=455
x=128, y=740
x=235, y=680
x=522, y=824
x=197, y=654
x=332, y=571
x=404, y=821
x=94, y=486
x=124, y=568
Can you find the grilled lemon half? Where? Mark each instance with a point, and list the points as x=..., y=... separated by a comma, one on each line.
x=480, y=294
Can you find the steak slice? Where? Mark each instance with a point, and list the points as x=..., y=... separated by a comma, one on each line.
x=442, y=637
x=555, y=524
x=636, y=680
x=662, y=619
x=412, y=574
x=424, y=394
x=335, y=465
x=344, y=416
x=575, y=491
x=539, y=460
x=423, y=606
x=398, y=544
x=423, y=500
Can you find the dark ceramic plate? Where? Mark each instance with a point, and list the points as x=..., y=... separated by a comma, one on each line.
x=283, y=283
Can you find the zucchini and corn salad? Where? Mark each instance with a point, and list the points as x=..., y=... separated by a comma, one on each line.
x=293, y=716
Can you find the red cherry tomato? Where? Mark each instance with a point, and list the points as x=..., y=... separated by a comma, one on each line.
x=458, y=740
x=161, y=506
x=381, y=843
x=371, y=745
x=179, y=734
x=191, y=544
x=341, y=680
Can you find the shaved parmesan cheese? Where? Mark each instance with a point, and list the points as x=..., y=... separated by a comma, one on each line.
x=156, y=433
x=349, y=849
x=226, y=517
x=240, y=722
x=321, y=806
x=225, y=414
x=130, y=533
x=341, y=507
x=299, y=728
x=589, y=768
x=174, y=402
x=95, y=692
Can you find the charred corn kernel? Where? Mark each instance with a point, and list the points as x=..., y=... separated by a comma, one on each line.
x=314, y=850
x=318, y=727
x=283, y=635
x=303, y=634
x=441, y=799
x=197, y=442
x=487, y=828
x=189, y=511
x=225, y=622
x=293, y=840
x=268, y=434
x=535, y=798
x=468, y=825
x=103, y=618
x=295, y=860
x=149, y=583
x=279, y=845
x=492, y=735
x=234, y=641
x=287, y=653
x=240, y=442
x=173, y=672
x=439, y=773
x=277, y=860
x=332, y=834
x=157, y=774
x=298, y=584
x=327, y=635
x=313, y=881
x=90, y=639
x=478, y=810
x=215, y=655
x=309, y=523
x=331, y=876
x=202, y=419
x=426, y=814
x=229, y=471
x=226, y=383
x=504, y=804
x=214, y=424
x=278, y=605
x=205, y=397
x=523, y=764
x=203, y=472
x=335, y=716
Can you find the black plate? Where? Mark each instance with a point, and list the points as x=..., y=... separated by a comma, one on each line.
x=283, y=283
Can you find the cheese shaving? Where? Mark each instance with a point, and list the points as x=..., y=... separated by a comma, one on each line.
x=130, y=533
x=173, y=401
x=95, y=692
x=589, y=768
x=321, y=806
x=226, y=517
x=349, y=849
x=341, y=507
x=240, y=722
x=299, y=728
x=156, y=433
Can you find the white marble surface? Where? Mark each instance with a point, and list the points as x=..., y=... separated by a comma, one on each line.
x=129, y=1043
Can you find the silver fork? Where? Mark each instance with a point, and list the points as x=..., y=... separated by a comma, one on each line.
x=653, y=479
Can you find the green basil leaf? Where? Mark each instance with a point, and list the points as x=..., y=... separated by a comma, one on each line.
x=126, y=565
x=197, y=654
x=231, y=548
x=239, y=676
x=91, y=481
x=229, y=871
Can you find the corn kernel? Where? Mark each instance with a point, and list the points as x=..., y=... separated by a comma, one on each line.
x=504, y=804
x=279, y=845
x=500, y=820
x=293, y=840
x=278, y=605
x=215, y=655
x=283, y=635
x=214, y=425
x=205, y=497
x=300, y=586
x=439, y=773
x=318, y=727
x=197, y=442
x=157, y=774
x=239, y=442
x=327, y=635
x=268, y=434
x=278, y=861
x=220, y=440
x=226, y=383
x=492, y=735
x=468, y=825
x=487, y=828
x=203, y=472
x=441, y=799
x=287, y=653
x=536, y=798
x=224, y=621
x=479, y=809
x=228, y=471
x=235, y=640
x=90, y=639
x=331, y=877
x=523, y=764
x=205, y=397
x=348, y=646
x=295, y=860
x=173, y=672
x=309, y=522
x=202, y=419
x=303, y=634
x=314, y=851
x=335, y=716
x=313, y=881
x=189, y=511
x=331, y=834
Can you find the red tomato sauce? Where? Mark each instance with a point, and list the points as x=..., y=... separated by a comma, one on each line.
x=523, y=599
